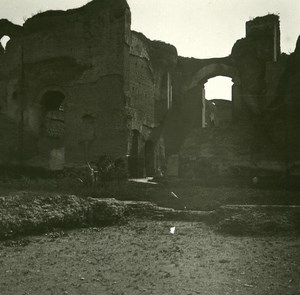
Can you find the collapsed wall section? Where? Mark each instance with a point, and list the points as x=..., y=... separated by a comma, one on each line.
x=285, y=112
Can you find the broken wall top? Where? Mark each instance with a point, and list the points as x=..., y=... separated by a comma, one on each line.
x=52, y=19
x=41, y=21
x=263, y=26
x=161, y=54
x=9, y=29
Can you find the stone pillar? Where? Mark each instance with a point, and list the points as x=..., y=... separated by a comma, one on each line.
x=203, y=105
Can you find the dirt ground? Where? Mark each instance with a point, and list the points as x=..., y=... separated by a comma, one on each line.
x=143, y=257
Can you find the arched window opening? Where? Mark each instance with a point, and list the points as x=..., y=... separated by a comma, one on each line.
x=218, y=97
x=52, y=101
x=218, y=87
x=4, y=40
x=53, y=114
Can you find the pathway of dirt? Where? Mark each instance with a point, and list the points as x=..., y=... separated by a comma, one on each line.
x=142, y=257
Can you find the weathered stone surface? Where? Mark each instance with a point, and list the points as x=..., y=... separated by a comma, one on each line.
x=229, y=151
x=82, y=54
x=119, y=93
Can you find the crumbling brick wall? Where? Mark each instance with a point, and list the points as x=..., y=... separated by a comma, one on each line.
x=150, y=82
x=82, y=54
x=123, y=94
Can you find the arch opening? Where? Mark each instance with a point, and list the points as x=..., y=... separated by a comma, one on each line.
x=53, y=114
x=218, y=87
x=214, y=72
x=218, y=101
x=53, y=101
x=4, y=40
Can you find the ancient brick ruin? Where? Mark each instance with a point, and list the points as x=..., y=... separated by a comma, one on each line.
x=78, y=84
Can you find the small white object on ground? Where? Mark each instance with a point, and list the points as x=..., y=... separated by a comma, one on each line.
x=247, y=285
x=174, y=195
x=142, y=180
x=172, y=230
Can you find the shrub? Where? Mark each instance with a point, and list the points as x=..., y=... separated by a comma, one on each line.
x=110, y=169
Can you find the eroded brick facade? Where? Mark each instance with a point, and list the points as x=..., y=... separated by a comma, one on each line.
x=78, y=84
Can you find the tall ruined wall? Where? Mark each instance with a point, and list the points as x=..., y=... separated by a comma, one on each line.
x=81, y=54
x=265, y=29
x=9, y=106
x=78, y=84
x=285, y=112
x=151, y=62
x=149, y=91
x=256, y=67
x=142, y=86
x=256, y=55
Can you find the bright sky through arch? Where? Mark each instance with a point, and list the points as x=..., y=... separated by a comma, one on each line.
x=218, y=88
x=4, y=40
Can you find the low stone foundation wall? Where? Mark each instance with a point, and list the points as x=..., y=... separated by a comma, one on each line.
x=27, y=213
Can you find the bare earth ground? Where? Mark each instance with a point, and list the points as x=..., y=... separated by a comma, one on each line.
x=142, y=257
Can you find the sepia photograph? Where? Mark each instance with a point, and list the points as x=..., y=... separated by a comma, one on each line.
x=150, y=147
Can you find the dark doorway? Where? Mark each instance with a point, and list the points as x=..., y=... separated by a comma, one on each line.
x=52, y=101
x=136, y=163
x=149, y=158
x=53, y=114
x=135, y=144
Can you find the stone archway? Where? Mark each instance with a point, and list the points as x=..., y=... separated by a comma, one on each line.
x=53, y=114
x=4, y=40
x=210, y=71
x=50, y=99
x=199, y=150
x=46, y=119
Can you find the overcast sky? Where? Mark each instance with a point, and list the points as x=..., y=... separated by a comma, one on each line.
x=198, y=28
